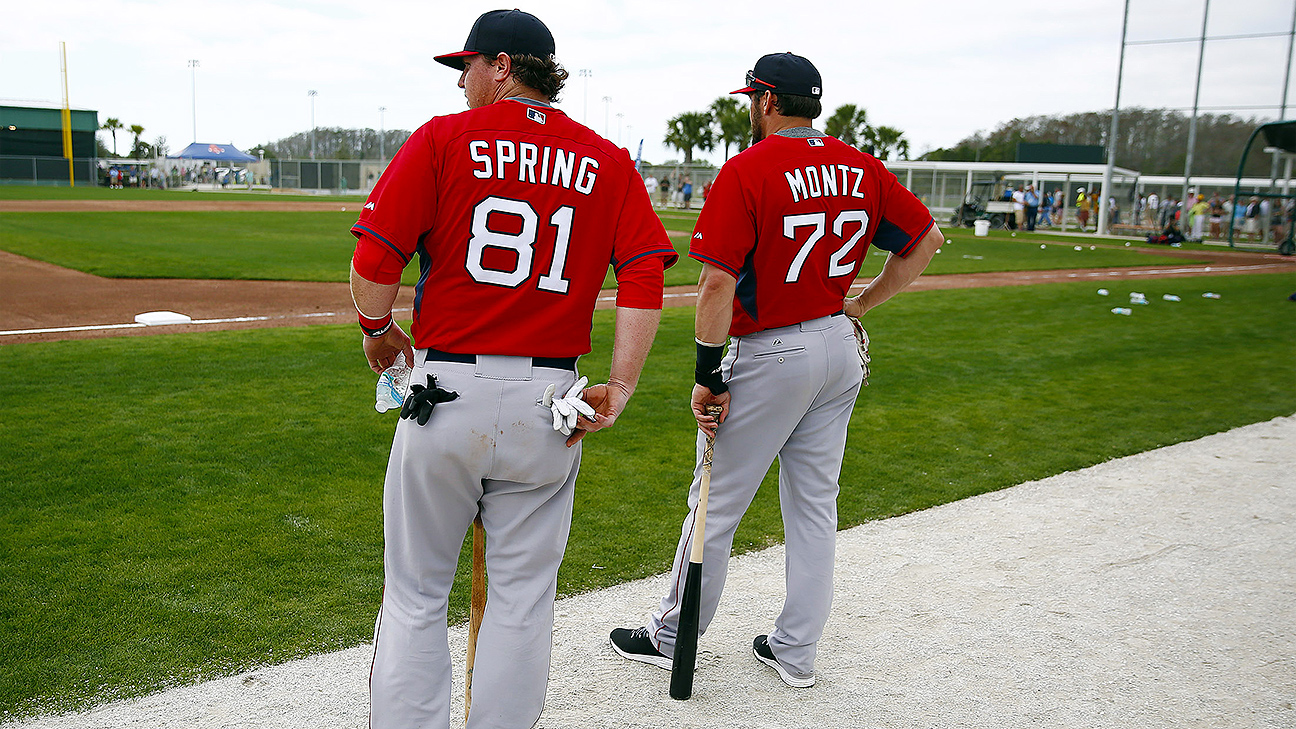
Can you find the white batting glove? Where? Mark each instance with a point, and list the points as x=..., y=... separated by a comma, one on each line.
x=568, y=408
x=862, y=341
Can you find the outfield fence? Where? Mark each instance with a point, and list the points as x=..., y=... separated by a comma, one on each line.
x=27, y=170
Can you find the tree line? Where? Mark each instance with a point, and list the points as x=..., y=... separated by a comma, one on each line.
x=1151, y=141
x=338, y=143
x=727, y=122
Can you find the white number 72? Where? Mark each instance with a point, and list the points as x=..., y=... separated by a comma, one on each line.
x=818, y=220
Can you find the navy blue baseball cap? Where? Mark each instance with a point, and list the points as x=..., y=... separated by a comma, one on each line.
x=503, y=31
x=783, y=73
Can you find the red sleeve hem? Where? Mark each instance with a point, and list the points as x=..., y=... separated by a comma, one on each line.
x=913, y=242
x=640, y=282
x=376, y=262
x=707, y=259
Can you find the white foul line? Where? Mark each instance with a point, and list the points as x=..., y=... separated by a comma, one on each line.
x=135, y=325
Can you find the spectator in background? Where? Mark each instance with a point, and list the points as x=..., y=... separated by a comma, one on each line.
x=1251, y=219
x=1197, y=215
x=1031, y=200
x=1059, y=208
x=1113, y=211
x=1152, y=210
x=1216, y=216
x=1170, y=236
x=663, y=189
x=1045, y=209
x=650, y=184
x=1275, y=220
x=687, y=189
x=1082, y=209
x=1019, y=208
x=706, y=189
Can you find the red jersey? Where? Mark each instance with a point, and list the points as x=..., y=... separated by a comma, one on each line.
x=792, y=219
x=515, y=212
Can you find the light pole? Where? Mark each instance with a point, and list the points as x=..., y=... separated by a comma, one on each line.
x=312, y=94
x=382, y=151
x=585, y=73
x=619, y=117
x=607, y=107
x=193, y=80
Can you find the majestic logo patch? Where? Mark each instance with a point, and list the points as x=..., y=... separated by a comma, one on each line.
x=368, y=206
x=697, y=236
x=536, y=115
x=815, y=142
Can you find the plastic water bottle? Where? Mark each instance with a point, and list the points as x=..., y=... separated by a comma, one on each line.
x=1210, y=295
x=1170, y=297
x=1122, y=310
x=1137, y=298
x=393, y=385
x=1103, y=292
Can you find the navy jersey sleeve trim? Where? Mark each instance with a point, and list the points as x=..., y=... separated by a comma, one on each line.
x=889, y=237
x=706, y=259
x=667, y=253
x=378, y=237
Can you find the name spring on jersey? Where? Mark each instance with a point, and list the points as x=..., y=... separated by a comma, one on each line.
x=533, y=164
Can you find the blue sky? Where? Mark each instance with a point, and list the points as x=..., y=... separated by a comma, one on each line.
x=939, y=70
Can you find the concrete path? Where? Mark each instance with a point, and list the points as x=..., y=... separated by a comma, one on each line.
x=1157, y=590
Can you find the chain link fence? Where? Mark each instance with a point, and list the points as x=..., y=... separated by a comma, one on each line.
x=25, y=170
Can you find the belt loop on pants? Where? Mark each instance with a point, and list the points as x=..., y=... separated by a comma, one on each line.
x=557, y=363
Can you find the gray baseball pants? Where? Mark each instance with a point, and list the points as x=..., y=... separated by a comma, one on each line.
x=493, y=448
x=793, y=391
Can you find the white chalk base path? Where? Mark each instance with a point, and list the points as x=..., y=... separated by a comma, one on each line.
x=1157, y=590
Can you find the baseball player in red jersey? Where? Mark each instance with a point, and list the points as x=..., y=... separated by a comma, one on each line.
x=514, y=212
x=781, y=239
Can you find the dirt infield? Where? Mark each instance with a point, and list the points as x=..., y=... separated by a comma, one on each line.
x=43, y=302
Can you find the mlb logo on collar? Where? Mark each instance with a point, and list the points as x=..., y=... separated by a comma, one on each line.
x=535, y=115
x=814, y=142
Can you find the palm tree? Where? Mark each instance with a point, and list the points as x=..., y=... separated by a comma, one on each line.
x=137, y=130
x=886, y=140
x=734, y=122
x=112, y=124
x=688, y=131
x=849, y=124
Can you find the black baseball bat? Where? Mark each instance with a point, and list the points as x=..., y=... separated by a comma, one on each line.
x=684, y=663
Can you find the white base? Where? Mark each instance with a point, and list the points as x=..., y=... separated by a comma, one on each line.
x=158, y=318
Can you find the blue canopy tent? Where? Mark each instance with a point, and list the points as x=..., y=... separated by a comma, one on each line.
x=217, y=152
x=226, y=156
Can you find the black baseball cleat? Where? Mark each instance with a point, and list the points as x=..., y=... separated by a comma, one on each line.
x=761, y=649
x=635, y=645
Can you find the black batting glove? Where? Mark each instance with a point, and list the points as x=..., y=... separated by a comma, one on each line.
x=422, y=399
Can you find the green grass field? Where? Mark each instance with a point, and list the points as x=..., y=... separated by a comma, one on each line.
x=187, y=506
x=317, y=246
x=84, y=192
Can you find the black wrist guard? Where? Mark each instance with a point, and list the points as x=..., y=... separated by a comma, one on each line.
x=707, y=370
